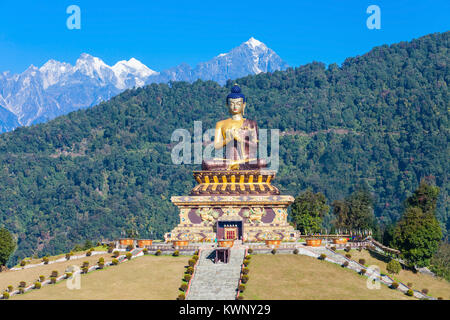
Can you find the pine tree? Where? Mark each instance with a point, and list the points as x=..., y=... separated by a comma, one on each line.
x=417, y=233
x=308, y=210
x=7, y=246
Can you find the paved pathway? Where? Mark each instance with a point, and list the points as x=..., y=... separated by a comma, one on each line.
x=338, y=258
x=216, y=281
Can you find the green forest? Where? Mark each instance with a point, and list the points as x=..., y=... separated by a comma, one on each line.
x=379, y=120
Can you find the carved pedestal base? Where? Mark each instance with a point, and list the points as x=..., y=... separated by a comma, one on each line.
x=259, y=217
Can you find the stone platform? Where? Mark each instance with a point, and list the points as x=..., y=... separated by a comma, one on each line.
x=262, y=217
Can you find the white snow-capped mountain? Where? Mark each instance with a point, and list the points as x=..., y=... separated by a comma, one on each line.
x=251, y=57
x=57, y=88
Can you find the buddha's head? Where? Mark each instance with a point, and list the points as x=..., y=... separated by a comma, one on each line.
x=236, y=101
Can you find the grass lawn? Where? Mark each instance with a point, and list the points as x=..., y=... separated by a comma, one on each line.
x=143, y=278
x=297, y=277
x=31, y=275
x=437, y=287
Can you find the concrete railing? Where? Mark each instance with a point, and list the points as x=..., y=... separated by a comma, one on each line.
x=193, y=273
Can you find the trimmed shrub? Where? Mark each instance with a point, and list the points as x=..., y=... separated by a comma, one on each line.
x=322, y=256
x=363, y=271
x=5, y=295
x=394, y=285
x=181, y=296
x=110, y=249
x=101, y=260
x=22, y=284
x=158, y=252
x=196, y=253
x=244, y=278
x=348, y=255
x=195, y=257
x=245, y=270
x=187, y=277
x=23, y=263
x=101, y=265
x=129, y=255
x=41, y=278
x=37, y=285
x=21, y=290
x=425, y=291
x=410, y=293
x=190, y=270
x=248, y=257
x=345, y=264
x=85, y=269
x=240, y=297
x=250, y=250
x=242, y=287
x=54, y=273
x=362, y=261
x=333, y=248
x=347, y=249
x=68, y=275
x=130, y=247
x=295, y=251
x=53, y=280
x=440, y=298
x=116, y=254
x=68, y=255
x=246, y=262
x=393, y=266
x=115, y=262
x=10, y=288
x=183, y=286
x=88, y=253
x=192, y=262
x=176, y=253
x=145, y=251
x=85, y=264
x=274, y=251
x=45, y=260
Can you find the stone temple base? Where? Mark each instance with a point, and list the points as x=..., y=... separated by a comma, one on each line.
x=262, y=217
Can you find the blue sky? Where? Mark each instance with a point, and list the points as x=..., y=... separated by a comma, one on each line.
x=163, y=34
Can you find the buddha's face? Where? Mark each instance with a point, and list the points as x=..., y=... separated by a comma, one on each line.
x=236, y=106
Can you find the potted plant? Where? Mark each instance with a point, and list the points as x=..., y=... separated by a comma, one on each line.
x=225, y=243
x=313, y=242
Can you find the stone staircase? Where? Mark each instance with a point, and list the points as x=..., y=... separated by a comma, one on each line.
x=216, y=281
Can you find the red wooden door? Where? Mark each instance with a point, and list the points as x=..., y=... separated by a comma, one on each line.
x=230, y=234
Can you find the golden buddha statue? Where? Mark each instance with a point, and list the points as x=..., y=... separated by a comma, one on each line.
x=239, y=137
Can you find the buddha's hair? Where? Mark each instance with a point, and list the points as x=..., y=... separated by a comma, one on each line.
x=236, y=93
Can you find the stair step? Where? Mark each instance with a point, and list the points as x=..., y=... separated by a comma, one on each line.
x=216, y=281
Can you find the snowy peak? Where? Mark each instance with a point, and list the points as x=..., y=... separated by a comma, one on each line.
x=52, y=72
x=253, y=43
x=131, y=71
x=251, y=57
x=93, y=67
x=134, y=65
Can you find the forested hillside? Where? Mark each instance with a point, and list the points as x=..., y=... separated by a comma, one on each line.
x=380, y=119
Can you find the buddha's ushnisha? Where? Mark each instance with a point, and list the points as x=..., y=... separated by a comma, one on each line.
x=239, y=137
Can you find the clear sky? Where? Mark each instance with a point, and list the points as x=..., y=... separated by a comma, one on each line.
x=163, y=34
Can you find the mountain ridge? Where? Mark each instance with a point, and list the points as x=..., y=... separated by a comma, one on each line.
x=56, y=88
x=94, y=173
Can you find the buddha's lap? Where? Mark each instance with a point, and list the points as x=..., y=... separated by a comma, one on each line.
x=224, y=164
